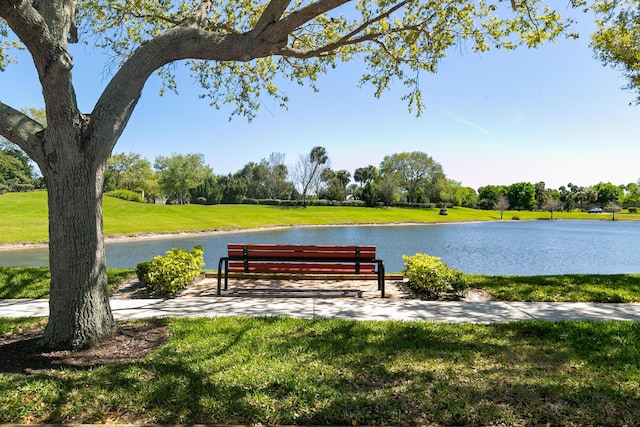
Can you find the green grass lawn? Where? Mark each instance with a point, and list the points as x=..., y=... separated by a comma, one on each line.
x=23, y=217
x=33, y=282
x=302, y=372
x=336, y=372
x=608, y=288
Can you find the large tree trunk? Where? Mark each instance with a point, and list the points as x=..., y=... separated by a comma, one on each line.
x=79, y=311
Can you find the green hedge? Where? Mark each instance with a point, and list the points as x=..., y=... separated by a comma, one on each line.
x=128, y=195
x=310, y=202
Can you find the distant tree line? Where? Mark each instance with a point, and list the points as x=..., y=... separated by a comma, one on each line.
x=527, y=196
x=406, y=179
x=401, y=179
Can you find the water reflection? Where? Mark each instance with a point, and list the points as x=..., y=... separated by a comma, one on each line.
x=507, y=247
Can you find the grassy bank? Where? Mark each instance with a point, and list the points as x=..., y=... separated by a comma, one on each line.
x=315, y=372
x=33, y=282
x=23, y=217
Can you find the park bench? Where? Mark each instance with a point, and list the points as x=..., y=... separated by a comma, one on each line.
x=300, y=260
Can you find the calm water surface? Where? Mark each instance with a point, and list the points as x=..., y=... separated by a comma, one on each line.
x=501, y=248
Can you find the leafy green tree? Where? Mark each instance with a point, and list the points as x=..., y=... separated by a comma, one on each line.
x=569, y=195
x=522, y=195
x=16, y=171
x=276, y=185
x=466, y=197
x=616, y=41
x=267, y=179
x=210, y=192
x=129, y=172
x=631, y=195
x=573, y=195
x=336, y=184
x=540, y=193
x=20, y=176
x=365, y=175
x=177, y=174
x=416, y=172
x=452, y=192
x=386, y=190
x=369, y=194
x=489, y=194
x=446, y=192
x=234, y=189
x=255, y=176
x=607, y=192
x=236, y=51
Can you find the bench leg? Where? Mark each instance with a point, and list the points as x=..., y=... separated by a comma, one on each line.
x=226, y=274
x=381, y=277
x=224, y=260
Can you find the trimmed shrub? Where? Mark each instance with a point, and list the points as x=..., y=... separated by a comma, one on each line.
x=173, y=272
x=632, y=209
x=310, y=202
x=128, y=195
x=431, y=277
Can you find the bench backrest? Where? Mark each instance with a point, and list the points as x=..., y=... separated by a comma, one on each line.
x=336, y=253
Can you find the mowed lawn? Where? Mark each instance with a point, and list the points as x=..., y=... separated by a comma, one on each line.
x=284, y=371
x=23, y=217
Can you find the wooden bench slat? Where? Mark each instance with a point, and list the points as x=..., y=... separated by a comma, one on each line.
x=273, y=251
x=306, y=255
x=284, y=267
x=298, y=247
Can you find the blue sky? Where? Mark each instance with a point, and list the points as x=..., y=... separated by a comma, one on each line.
x=551, y=114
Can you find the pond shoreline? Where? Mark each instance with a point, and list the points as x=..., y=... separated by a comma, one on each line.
x=525, y=247
x=169, y=235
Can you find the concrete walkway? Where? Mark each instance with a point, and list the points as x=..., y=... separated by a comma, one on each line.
x=345, y=308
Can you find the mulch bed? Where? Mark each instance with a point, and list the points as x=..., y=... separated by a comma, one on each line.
x=23, y=352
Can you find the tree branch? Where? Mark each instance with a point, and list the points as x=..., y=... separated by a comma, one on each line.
x=292, y=21
x=349, y=38
x=31, y=29
x=22, y=130
x=271, y=14
x=198, y=19
x=116, y=104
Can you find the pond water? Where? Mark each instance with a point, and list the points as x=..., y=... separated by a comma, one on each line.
x=495, y=248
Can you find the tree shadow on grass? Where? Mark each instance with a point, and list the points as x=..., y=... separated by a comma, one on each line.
x=277, y=370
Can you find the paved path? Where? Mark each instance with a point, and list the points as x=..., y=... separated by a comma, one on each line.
x=345, y=308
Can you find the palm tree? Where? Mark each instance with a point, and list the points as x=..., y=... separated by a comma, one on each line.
x=317, y=158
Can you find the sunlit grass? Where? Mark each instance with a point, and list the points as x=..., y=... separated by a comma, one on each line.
x=283, y=371
x=33, y=282
x=571, y=287
x=23, y=217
